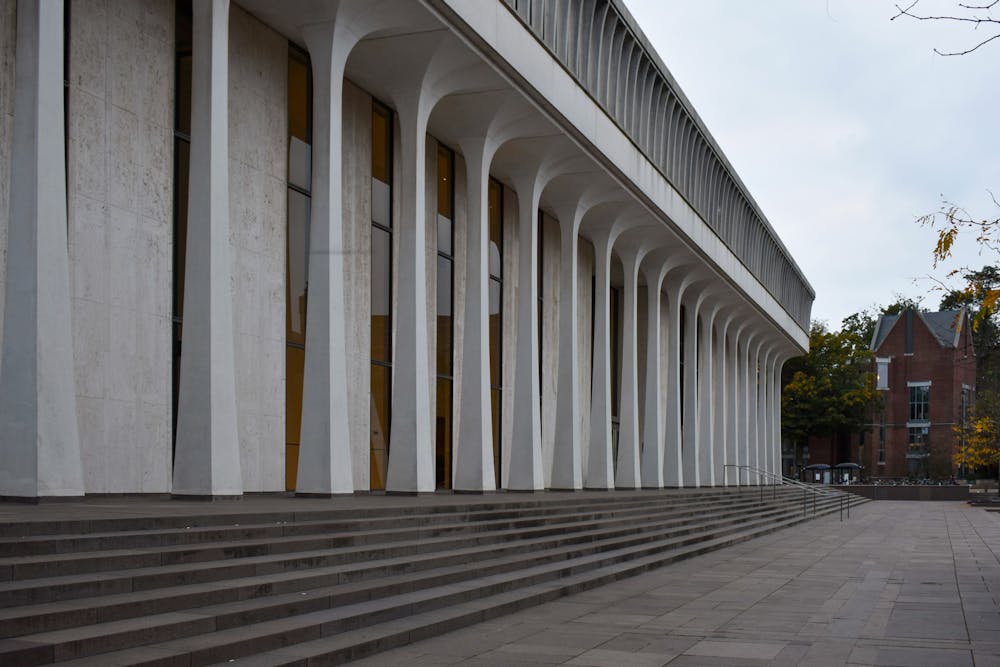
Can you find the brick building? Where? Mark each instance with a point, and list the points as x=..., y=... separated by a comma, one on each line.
x=926, y=370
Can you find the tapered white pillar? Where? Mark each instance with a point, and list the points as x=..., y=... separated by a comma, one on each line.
x=526, y=438
x=474, y=449
x=567, y=470
x=706, y=406
x=652, y=432
x=628, y=474
x=325, y=465
x=39, y=437
x=207, y=453
x=673, y=465
x=720, y=397
x=411, y=449
x=600, y=467
x=734, y=387
x=753, y=433
x=767, y=444
x=690, y=437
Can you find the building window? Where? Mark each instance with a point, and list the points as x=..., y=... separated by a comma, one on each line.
x=920, y=402
x=882, y=373
x=445, y=318
x=881, y=440
x=917, y=452
x=495, y=260
x=298, y=185
x=381, y=295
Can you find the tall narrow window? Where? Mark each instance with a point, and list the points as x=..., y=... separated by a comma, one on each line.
x=297, y=264
x=182, y=163
x=920, y=402
x=881, y=439
x=495, y=260
x=445, y=318
x=381, y=297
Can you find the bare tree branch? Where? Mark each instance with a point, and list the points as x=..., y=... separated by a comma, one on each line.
x=976, y=18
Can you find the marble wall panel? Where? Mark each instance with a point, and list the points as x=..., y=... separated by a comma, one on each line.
x=549, y=339
x=120, y=188
x=258, y=123
x=356, y=205
x=8, y=39
x=511, y=241
x=584, y=338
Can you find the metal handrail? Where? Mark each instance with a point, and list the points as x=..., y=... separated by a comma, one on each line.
x=781, y=480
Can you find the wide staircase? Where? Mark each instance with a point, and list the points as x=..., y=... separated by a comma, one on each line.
x=324, y=586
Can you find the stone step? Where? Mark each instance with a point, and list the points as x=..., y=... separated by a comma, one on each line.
x=67, y=587
x=249, y=528
x=315, y=536
x=149, y=520
x=210, y=610
x=435, y=607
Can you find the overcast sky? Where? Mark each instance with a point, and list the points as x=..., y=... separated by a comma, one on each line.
x=845, y=126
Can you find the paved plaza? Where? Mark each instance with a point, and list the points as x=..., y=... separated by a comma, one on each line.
x=899, y=583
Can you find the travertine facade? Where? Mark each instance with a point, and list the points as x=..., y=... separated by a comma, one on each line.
x=631, y=187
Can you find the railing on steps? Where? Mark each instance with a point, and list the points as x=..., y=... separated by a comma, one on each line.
x=767, y=479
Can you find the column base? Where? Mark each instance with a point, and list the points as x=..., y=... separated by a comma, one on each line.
x=207, y=497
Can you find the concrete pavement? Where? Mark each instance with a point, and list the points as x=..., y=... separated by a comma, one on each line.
x=900, y=583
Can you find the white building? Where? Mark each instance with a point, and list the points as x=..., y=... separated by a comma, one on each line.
x=352, y=245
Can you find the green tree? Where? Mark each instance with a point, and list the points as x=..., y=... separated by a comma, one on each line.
x=977, y=296
x=830, y=391
x=977, y=447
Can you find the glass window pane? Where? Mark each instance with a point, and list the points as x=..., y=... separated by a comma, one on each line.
x=183, y=152
x=298, y=264
x=381, y=392
x=445, y=161
x=299, y=112
x=183, y=120
x=381, y=294
x=496, y=264
x=496, y=334
x=444, y=239
x=495, y=409
x=299, y=163
x=442, y=434
x=444, y=316
x=381, y=143
x=495, y=198
x=381, y=203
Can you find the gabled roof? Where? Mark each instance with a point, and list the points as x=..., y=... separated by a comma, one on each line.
x=945, y=325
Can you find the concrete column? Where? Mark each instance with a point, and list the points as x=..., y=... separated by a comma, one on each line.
x=733, y=405
x=753, y=361
x=566, y=461
x=207, y=453
x=673, y=465
x=325, y=465
x=39, y=437
x=744, y=405
x=690, y=430
x=600, y=468
x=706, y=404
x=765, y=443
x=411, y=449
x=474, y=449
x=526, y=442
x=652, y=440
x=779, y=364
x=628, y=474
x=720, y=425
